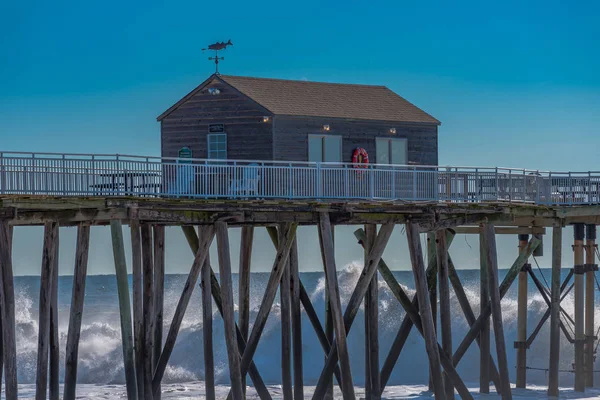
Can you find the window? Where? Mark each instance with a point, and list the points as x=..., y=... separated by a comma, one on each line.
x=324, y=148
x=391, y=151
x=217, y=146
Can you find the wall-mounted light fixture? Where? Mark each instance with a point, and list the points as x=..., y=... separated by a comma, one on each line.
x=393, y=131
x=326, y=128
x=266, y=119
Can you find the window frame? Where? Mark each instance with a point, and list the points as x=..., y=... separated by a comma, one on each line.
x=210, y=151
x=322, y=138
x=389, y=141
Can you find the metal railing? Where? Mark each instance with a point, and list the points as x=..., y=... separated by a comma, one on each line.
x=120, y=175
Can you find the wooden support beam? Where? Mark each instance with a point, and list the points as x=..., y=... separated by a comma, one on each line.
x=484, y=335
x=76, y=310
x=47, y=276
x=579, y=235
x=329, y=330
x=489, y=237
x=159, y=293
x=372, y=377
x=431, y=251
x=137, y=286
x=520, y=344
x=246, y=242
x=7, y=298
x=416, y=257
x=445, y=310
x=54, y=342
x=590, y=287
x=463, y=300
x=281, y=258
x=335, y=304
x=309, y=309
x=555, y=312
x=286, y=330
x=487, y=312
x=502, y=230
x=235, y=373
x=207, y=330
x=215, y=288
x=125, y=308
x=207, y=236
x=148, y=311
x=296, y=314
x=354, y=303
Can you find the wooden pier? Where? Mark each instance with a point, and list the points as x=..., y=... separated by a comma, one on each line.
x=146, y=353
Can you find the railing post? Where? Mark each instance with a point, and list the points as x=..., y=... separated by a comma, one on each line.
x=290, y=183
x=371, y=172
x=346, y=182
x=393, y=196
x=64, y=180
x=414, y=183
x=318, y=181
x=3, y=172
x=497, y=188
x=589, y=184
x=571, y=194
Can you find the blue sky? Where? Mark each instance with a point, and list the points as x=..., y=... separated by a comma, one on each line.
x=514, y=83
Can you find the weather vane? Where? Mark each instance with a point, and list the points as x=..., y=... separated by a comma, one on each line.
x=216, y=47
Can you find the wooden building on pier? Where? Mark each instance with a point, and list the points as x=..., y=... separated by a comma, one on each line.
x=243, y=118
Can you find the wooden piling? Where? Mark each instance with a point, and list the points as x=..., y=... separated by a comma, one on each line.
x=489, y=236
x=207, y=329
x=296, y=314
x=7, y=297
x=590, y=286
x=159, y=292
x=521, y=343
x=416, y=257
x=148, y=311
x=329, y=319
x=235, y=373
x=46, y=279
x=555, y=312
x=54, y=343
x=76, y=311
x=186, y=293
x=445, y=310
x=138, y=289
x=247, y=237
x=578, y=250
x=336, y=306
x=484, y=335
x=286, y=339
x=432, y=294
x=125, y=308
x=372, y=376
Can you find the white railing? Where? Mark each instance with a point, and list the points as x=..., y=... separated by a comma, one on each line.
x=120, y=175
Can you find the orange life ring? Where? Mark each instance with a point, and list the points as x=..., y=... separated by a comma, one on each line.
x=360, y=158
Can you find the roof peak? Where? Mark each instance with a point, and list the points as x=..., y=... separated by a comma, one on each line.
x=224, y=77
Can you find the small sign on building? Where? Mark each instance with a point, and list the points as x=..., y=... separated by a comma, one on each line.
x=185, y=155
x=216, y=128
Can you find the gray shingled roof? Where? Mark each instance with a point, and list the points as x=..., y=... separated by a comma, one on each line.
x=318, y=99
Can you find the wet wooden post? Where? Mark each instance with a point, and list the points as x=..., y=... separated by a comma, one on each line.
x=432, y=292
x=246, y=242
x=555, y=312
x=148, y=310
x=578, y=236
x=76, y=311
x=329, y=320
x=159, y=292
x=445, y=312
x=489, y=236
x=54, y=342
x=590, y=263
x=372, y=377
x=235, y=373
x=335, y=304
x=207, y=328
x=7, y=297
x=484, y=335
x=429, y=334
x=137, y=285
x=286, y=340
x=125, y=308
x=46, y=279
x=296, y=322
x=521, y=343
